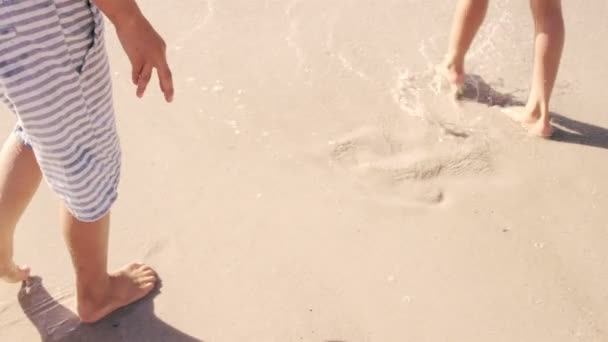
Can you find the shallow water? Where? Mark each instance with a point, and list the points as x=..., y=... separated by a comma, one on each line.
x=351, y=75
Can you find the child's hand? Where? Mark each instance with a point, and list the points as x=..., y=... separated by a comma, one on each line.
x=146, y=51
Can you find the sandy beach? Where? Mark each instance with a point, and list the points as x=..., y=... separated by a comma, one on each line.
x=312, y=182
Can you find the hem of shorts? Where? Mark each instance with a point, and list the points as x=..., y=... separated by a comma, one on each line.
x=91, y=219
x=21, y=137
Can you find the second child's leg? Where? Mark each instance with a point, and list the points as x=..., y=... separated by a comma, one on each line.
x=98, y=292
x=19, y=179
x=548, y=47
x=467, y=20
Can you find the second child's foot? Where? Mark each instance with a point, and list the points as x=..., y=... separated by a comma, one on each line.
x=13, y=274
x=453, y=72
x=521, y=115
x=128, y=285
x=540, y=129
x=530, y=120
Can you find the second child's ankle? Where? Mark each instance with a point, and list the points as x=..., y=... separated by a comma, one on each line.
x=537, y=109
x=454, y=62
x=6, y=263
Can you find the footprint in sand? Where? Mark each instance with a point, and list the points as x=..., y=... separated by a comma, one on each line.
x=407, y=175
x=392, y=168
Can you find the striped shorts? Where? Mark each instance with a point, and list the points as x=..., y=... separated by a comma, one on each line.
x=55, y=76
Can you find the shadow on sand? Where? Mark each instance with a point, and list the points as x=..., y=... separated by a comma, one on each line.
x=476, y=89
x=56, y=323
x=566, y=130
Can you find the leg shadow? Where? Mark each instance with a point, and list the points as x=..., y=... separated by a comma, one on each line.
x=567, y=130
x=576, y=132
x=56, y=323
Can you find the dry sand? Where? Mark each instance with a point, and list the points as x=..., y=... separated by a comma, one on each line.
x=310, y=184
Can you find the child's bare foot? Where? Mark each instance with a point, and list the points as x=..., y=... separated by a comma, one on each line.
x=530, y=120
x=521, y=115
x=128, y=285
x=453, y=72
x=540, y=129
x=13, y=274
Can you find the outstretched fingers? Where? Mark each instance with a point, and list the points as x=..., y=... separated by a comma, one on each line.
x=165, y=78
x=143, y=79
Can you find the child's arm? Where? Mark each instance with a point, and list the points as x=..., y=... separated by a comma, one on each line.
x=144, y=46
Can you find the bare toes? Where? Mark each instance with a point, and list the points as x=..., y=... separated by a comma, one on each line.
x=147, y=281
x=147, y=268
x=148, y=274
x=147, y=287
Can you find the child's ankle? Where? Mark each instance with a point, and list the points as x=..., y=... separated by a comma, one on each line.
x=5, y=267
x=454, y=62
x=6, y=264
x=537, y=109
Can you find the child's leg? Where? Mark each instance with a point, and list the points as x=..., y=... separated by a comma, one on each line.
x=469, y=17
x=19, y=179
x=548, y=46
x=99, y=292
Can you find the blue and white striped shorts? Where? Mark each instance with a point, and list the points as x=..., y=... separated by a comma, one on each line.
x=55, y=76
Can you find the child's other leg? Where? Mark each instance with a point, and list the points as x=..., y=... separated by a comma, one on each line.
x=548, y=46
x=469, y=17
x=98, y=292
x=19, y=179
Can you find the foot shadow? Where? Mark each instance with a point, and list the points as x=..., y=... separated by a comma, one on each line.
x=56, y=323
x=476, y=89
x=567, y=130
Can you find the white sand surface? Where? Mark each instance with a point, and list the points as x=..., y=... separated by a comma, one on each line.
x=310, y=183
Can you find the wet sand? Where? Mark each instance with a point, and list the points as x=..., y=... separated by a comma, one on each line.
x=312, y=183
